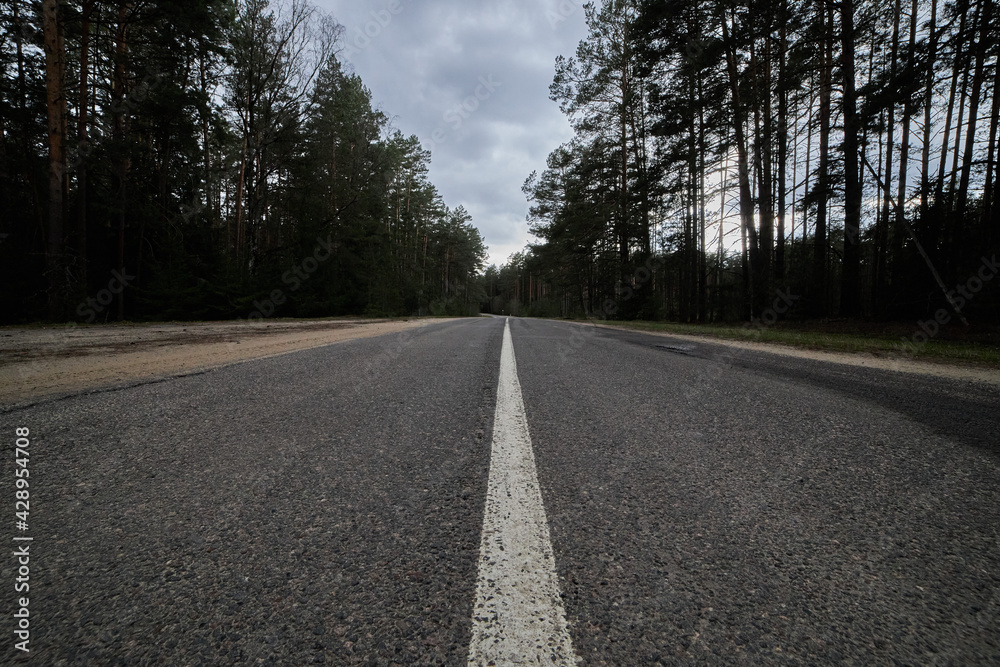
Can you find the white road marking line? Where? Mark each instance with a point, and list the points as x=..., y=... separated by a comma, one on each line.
x=518, y=617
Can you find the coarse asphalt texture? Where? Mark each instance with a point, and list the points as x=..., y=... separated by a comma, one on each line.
x=706, y=506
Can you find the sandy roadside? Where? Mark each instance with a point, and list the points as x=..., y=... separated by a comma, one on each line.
x=902, y=364
x=40, y=362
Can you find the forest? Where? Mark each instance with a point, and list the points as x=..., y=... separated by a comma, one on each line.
x=210, y=159
x=825, y=158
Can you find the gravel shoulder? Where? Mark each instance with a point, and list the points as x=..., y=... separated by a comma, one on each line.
x=898, y=363
x=44, y=362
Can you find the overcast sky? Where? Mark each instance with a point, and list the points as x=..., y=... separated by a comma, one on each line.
x=471, y=79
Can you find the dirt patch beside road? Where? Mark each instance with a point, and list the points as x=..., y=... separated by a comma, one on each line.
x=37, y=362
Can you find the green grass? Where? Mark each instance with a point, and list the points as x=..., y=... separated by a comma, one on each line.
x=882, y=345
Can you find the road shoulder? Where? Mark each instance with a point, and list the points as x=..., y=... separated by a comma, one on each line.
x=865, y=360
x=47, y=362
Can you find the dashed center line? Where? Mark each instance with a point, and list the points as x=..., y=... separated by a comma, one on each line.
x=518, y=617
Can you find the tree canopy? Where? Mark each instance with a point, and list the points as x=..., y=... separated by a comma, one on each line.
x=727, y=152
x=210, y=159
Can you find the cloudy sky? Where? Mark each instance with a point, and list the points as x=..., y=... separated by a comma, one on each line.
x=471, y=79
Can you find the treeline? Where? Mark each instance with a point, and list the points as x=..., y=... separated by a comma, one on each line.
x=839, y=154
x=209, y=159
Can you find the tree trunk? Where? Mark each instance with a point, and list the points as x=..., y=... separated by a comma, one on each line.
x=83, y=148
x=929, y=74
x=19, y=34
x=882, y=227
x=206, y=137
x=970, y=134
x=779, y=263
x=751, y=246
x=939, y=188
x=904, y=154
x=808, y=174
x=240, y=187
x=623, y=217
x=55, y=73
x=960, y=124
x=118, y=94
x=822, y=176
x=762, y=158
x=850, y=290
x=702, y=249
x=951, y=238
x=989, y=188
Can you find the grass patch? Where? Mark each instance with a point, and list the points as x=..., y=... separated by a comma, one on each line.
x=884, y=341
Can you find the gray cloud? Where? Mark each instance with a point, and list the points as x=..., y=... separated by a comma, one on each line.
x=426, y=60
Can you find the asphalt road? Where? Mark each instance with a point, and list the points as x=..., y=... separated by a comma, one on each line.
x=705, y=506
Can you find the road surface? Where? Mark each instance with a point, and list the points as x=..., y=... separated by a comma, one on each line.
x=702, y=506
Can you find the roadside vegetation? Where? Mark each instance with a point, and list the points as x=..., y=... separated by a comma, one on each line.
x=728, y=153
